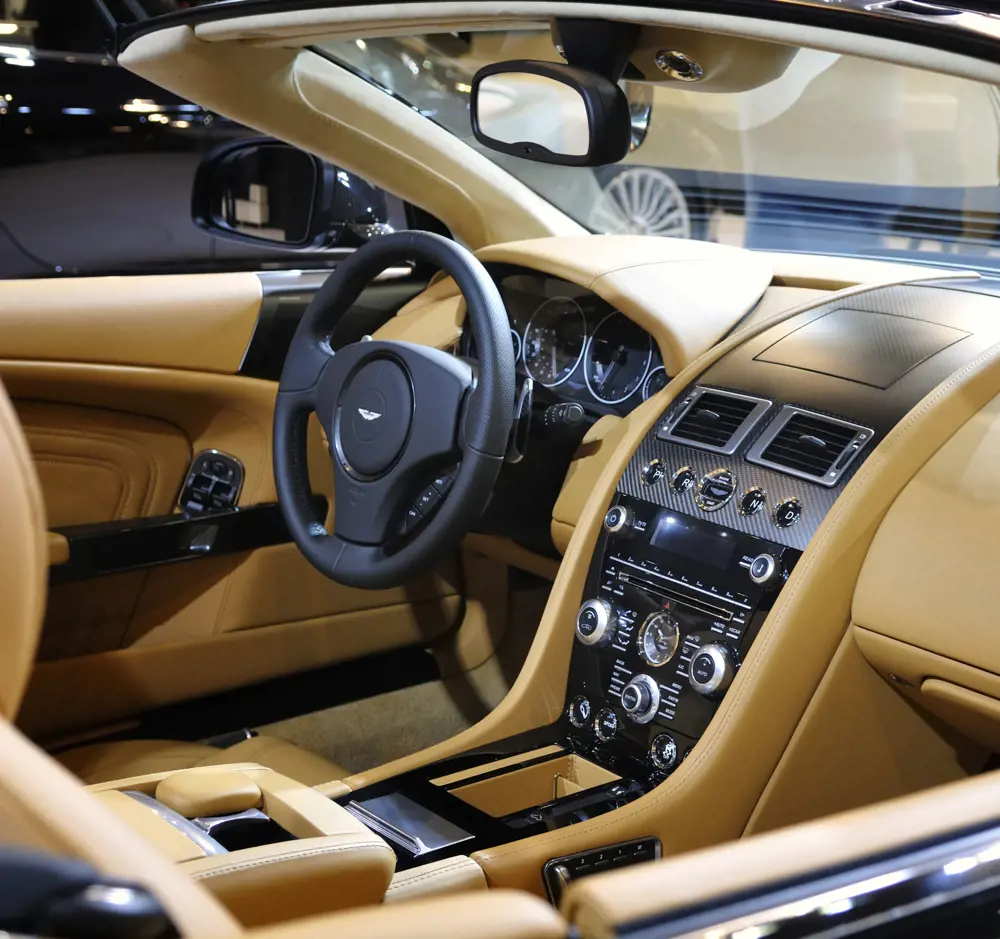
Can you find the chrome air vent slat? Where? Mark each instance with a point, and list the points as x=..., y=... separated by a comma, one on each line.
x=810, y=446
x=715, y=420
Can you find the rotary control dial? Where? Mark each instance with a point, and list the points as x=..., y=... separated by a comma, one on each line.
x=658, y=638
x=596, y=623
x=641, y=699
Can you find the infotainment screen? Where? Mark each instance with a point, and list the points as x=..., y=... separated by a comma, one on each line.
x=685, y=537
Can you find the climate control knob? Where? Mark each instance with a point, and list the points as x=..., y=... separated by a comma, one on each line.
x=596, y=623
x=663, y=752
x=713, y=668
x=641, y=699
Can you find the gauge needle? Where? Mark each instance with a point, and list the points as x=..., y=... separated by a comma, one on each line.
x=616, y=361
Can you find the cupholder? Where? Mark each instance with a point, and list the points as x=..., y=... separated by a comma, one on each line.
x=250, y=829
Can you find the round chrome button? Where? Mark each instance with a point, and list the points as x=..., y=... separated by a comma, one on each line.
x=683, y=479
x=763, y=569
x=652, y=472
x=787, y=512
x=579, y=711
x=752, y=501
x=606, y=724
x=618, y=519
x=663, y=752
x=715, y=489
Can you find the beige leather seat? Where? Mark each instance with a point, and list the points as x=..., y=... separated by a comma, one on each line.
x=121, y=759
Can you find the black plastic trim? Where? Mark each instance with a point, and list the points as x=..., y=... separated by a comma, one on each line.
x=879, y=23
x=113, y=547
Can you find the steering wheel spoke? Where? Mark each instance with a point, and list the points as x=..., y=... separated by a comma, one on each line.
x=395, y=414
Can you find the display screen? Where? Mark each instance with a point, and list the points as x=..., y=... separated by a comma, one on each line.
x=686, y=537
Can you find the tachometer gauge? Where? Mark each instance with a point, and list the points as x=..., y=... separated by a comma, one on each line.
x=618, y=357
x=554, y=341
x=655, y=381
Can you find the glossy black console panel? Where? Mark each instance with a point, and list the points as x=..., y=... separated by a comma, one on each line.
x=699, y=577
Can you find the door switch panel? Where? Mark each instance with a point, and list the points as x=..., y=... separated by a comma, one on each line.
x=213, y=483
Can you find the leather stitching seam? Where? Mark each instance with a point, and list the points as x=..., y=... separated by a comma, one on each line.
x=298, y=855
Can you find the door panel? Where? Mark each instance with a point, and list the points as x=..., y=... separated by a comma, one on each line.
x=120, y=382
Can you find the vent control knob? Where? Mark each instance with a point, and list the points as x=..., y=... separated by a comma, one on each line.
x=596, y=623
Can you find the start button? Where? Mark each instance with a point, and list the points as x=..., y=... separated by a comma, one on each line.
x=715, y=489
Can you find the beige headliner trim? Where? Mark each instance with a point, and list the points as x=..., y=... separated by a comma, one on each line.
x=314, y=104
x=308, y=26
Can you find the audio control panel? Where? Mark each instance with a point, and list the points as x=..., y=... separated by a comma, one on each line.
x=672, y=605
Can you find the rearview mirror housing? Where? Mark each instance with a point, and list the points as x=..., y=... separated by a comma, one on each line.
x=550, y=113
x=264, y=192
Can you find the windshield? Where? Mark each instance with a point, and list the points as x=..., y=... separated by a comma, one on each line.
x=823, y=153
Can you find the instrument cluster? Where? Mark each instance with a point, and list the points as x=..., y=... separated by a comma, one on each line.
x=572, y=342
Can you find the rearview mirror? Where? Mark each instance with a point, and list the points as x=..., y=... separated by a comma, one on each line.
x=550, y=113
x=265, y=192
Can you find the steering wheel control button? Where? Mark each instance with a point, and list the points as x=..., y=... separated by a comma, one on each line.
x=618, y=520
x=652, y=472
x=715, y=489
x=752, y=501
x=787, y=512
x=579, y=711
x=682, y=480
x=712, y=670
x=663, y=752
x=428, y=501
x=596, y=623
x=443, y=483
x=641, y=699
x=764, y=570
x=374, y=417
x=606, y=725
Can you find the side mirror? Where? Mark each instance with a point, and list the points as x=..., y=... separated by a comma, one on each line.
x=550, y=113
x=264, y=192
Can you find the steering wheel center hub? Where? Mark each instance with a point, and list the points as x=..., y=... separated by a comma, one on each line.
x=374, y=415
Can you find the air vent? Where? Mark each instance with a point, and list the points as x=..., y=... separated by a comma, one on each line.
x=714, y=420
x=809, y=445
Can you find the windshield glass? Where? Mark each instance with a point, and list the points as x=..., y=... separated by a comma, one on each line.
x=821, y=152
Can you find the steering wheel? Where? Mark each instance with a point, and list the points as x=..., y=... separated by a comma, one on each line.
x=396, y=415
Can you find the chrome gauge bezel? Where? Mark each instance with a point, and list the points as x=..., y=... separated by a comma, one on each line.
x=583, y=348
x=649, y=377
x=515, y=337
x=586, y=361
x=644, y=631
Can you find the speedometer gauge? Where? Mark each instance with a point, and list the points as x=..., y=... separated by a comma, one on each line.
x=554, y=341
x=618, y=358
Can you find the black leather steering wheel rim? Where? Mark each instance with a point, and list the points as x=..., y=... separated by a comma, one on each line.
x=361, y=395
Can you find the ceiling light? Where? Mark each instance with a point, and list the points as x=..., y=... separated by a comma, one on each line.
x=141, y=106
x=8, y=29
x=19, y=61
x=181, y=124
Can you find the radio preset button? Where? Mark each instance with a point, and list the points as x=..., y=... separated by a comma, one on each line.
x=712, y=669
x=663, y=752
x=683, y=479
x=715, y=489
x=787, y=512
x=596, y=623
x=579, y=711
x=618, y=519
x=752, y=501
x=606, y=724
x=652, y=472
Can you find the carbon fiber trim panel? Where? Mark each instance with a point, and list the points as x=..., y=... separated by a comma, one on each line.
x=816, y=500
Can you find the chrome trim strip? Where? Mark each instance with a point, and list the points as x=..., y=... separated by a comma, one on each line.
x=861, y=901
x=207, y=823
x=762, y=406
x=681, y=584
x=862, y=438
x=185, y=826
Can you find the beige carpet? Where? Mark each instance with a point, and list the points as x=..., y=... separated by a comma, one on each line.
x=375, y=730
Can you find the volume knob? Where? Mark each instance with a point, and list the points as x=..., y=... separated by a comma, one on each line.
x=596, y=623
x=713, y=668
x=641, y=699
